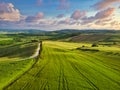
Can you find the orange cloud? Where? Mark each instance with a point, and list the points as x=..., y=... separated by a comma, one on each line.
x=104, y=3
x=99, y=16
x=78, y=14
x=104, y=14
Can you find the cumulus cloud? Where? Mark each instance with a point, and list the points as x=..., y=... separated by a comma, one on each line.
x=115, y=24
x=104, y=14
x=9, y=13
x=68, y=21
x=99, y=16
x=60, y=16
x=78, y=14
x=104, y=3
x=103, y=22
x=11, y=17
x=35, y=18
x=65, y=21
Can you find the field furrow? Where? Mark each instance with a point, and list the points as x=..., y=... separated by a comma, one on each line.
x=61, y=67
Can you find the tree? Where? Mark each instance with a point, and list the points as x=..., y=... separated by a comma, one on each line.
x=94, y=45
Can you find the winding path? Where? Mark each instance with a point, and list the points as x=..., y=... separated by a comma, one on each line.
x=35, y=55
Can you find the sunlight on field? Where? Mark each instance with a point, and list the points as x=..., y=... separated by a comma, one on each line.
x=65, y=45
x=1, y=39
x=62, y=67
x=106, y=48
x=6, y=59
x=10, y=70
x=14, y=61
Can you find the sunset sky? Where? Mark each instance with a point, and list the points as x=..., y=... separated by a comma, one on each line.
x=60, y=14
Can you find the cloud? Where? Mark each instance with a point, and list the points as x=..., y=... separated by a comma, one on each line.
x=78, y=14
x=104, y=4
x=9, y=13
x=63, y=5
x=65, y=21
x=101, y=15
x=60, y=16
x=35, y=18
x=104, y=14
x=10, y=17
x=115, y=24
x=103, y=22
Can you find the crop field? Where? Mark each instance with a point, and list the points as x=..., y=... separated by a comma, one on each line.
x=17, y=51
x=62, y=66
x=11, y=70
x=59, y=44
x=14, y=61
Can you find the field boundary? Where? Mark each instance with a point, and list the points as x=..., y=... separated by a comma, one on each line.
x=35, y=56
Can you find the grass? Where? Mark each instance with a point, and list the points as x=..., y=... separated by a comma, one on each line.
x=63, y=67
x=11, y=70
x=14, y=61
x=17, y=51
x=1, y=39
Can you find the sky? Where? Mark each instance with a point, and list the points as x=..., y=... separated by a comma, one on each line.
x=60, y=14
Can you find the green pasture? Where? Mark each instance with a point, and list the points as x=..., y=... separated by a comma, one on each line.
x=17, y=51
x=14, y=61
x=63, y=67
x=9, y=71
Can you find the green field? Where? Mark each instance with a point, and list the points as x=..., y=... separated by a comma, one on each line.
x=11, y=70
x=17, y=51
x=63, y=67
x=14, y=61
x=67, y=62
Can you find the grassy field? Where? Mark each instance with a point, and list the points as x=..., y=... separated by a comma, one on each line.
x=9, y=71
x=14, y=60
x=17, y=51
x=63, y=67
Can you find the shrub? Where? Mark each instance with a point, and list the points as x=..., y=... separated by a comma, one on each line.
x=94, y=45
x=83, y=45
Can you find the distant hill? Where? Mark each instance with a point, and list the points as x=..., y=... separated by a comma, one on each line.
x=72, y=35
x=57, y=31
x=20, y=31
x=91, y=37
x=88, y=35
